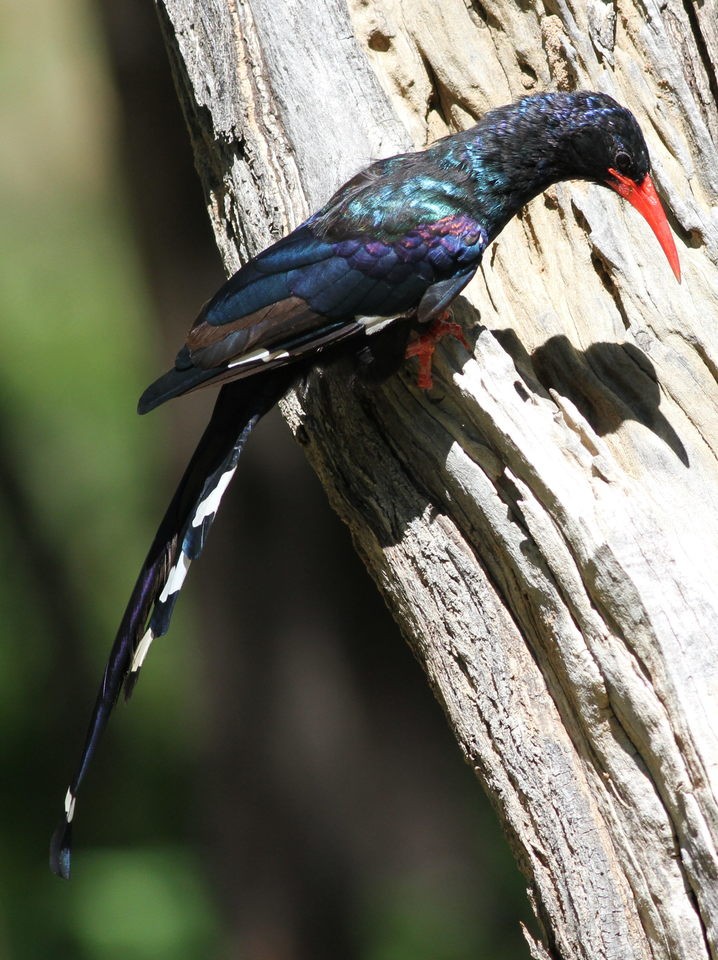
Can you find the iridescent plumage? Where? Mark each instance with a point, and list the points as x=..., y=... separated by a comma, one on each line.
x=402, y=238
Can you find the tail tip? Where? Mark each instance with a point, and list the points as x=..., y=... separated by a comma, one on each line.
x=61, y=849
x=61, y=843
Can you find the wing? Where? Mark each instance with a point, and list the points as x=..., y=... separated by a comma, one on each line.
x=317, y=287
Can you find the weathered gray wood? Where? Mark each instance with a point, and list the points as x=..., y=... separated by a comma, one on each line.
x=544, y=524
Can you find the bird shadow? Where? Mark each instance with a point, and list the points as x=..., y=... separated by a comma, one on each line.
x=608, y=383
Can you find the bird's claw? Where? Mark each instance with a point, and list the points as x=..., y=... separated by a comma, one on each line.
x=424, y=346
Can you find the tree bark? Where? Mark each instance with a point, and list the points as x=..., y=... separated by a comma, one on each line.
x=543, y=524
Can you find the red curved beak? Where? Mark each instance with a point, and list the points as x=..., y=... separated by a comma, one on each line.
x=644, y=198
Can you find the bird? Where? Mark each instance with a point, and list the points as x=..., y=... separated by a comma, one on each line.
x=395, y=244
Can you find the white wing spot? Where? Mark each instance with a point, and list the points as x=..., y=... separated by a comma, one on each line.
x=252, y=357
x=260, y=355
x=209, y=505
x=175, y=578
x=141, y=652
x=69, y=805
x=375, y=324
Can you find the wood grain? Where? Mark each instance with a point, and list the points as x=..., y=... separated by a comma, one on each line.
x=544, y=524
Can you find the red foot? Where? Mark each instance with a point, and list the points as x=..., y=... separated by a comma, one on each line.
x=423, y=347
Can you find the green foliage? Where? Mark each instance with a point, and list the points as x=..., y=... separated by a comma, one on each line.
x=80, y=474
x=74, y=517
x=149, y=905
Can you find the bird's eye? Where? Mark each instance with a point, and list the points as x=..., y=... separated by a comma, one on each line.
x=622, y=162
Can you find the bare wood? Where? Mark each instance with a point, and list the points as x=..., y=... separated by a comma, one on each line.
x=544, y=525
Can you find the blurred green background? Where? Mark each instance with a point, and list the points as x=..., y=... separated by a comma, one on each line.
x=283, y=785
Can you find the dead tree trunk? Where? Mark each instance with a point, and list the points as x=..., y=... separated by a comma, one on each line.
x=544, y=525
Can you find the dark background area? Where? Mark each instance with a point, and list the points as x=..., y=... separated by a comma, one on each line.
x=283, y=784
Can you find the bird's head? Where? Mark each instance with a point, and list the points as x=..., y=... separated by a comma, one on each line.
x=518, y=150
x=602, y=142
x=594, y=135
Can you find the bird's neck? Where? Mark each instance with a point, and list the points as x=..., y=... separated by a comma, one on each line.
x=508, y=158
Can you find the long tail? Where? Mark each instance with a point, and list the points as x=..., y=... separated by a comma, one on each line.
x=179, y=540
